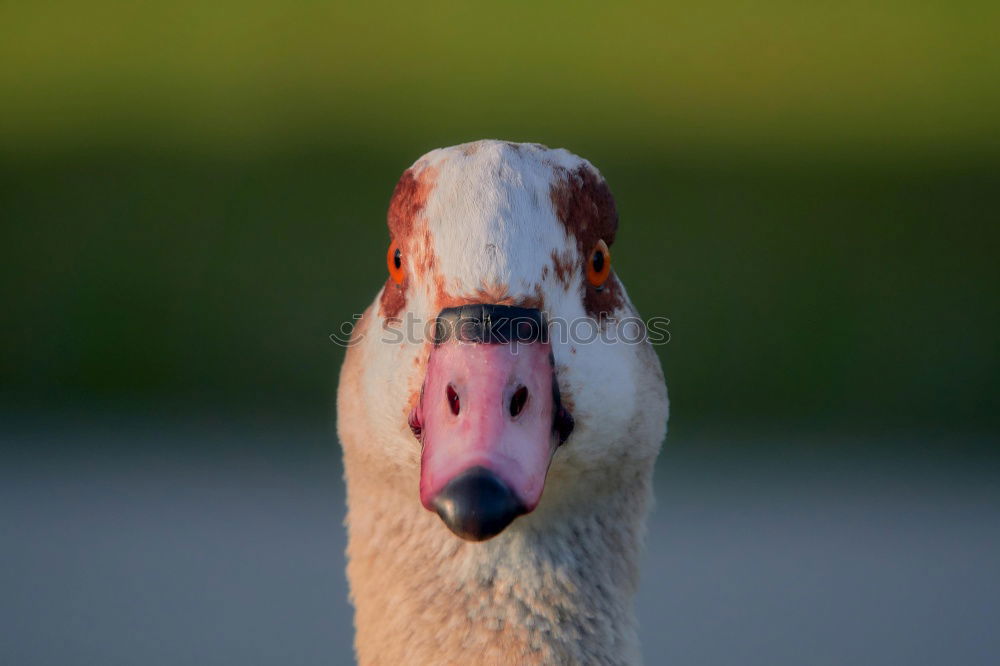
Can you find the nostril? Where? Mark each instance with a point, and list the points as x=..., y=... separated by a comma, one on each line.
x=518, y=400
x=453, y=400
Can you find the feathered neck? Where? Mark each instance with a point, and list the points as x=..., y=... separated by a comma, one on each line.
x=556, y=587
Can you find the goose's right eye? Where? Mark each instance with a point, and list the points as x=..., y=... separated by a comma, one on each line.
x=599, y=264
x=394, y=261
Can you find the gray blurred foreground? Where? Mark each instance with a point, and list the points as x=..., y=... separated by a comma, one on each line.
x=209, y=544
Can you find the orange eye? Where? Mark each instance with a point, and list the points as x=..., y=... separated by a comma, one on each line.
x=394, y=260
x=599, y=264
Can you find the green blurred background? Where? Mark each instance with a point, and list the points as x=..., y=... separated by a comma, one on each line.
x=193, y=198
x=193, y=194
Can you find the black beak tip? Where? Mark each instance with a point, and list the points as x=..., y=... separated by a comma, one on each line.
x=476, y=505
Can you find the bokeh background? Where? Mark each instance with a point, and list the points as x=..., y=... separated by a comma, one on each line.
x=192, y=199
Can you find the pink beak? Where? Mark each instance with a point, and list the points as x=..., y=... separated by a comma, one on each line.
x=489, y=419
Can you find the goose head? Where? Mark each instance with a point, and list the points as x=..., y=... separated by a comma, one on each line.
x=501, y=364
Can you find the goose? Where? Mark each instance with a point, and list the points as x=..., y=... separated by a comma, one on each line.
x=498, y=466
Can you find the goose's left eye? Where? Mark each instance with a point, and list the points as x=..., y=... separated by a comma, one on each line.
x=599, y=264
x=394, y=261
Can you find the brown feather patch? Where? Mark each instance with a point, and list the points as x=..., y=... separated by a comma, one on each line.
x=408, y=201
x=584, y=204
